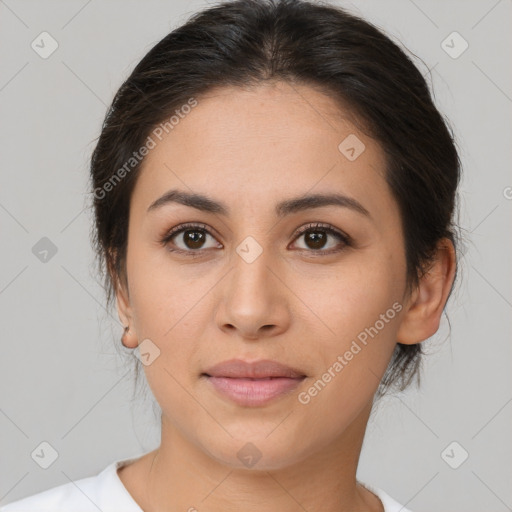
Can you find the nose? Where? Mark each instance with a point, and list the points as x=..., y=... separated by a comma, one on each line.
x=254, y=301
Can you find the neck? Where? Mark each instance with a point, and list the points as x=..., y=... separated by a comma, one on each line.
x=180, y=476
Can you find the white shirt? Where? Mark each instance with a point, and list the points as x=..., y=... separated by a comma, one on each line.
x=107, y=493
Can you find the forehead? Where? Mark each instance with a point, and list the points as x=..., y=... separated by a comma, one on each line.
x=260, y=143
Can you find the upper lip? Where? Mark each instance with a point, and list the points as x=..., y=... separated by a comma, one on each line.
x=237, y=368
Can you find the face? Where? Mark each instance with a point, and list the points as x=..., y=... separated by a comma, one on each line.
x=317, y=287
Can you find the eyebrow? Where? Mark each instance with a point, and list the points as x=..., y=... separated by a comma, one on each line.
x=287, y=207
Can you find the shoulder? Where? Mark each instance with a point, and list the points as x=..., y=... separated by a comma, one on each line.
x=389, y=503
x=103, y=491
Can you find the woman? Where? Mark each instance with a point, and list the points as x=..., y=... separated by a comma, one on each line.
x=274, y=192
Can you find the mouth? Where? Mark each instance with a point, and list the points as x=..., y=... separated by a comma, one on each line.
x=253, y=384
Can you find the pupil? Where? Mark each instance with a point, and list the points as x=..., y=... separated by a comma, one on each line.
x=317, y=239
x=196, y=241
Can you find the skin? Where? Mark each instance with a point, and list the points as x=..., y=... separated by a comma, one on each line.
x=251, y=149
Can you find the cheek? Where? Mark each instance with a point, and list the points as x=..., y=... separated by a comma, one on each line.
x=348, y=299
x=168, y=312
x=357, y=315
x=163, y=294
x=166, y=308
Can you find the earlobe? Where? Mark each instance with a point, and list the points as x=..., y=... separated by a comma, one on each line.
x=423, y=315
x=128, y=339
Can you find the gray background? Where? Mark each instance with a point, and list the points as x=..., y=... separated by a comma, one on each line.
x=62, y=378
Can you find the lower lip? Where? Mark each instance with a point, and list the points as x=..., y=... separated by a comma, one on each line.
x=253, y=392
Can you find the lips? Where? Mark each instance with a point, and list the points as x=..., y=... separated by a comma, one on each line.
x=253, y=384
x=238, y=369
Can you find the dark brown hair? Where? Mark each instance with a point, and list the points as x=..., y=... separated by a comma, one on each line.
x=247, y=42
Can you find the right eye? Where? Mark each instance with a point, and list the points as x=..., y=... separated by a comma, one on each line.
x=191, y=236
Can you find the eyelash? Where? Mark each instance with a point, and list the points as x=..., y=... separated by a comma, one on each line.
x=312, y=227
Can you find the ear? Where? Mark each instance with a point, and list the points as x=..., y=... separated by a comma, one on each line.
x=124, y=310
x=423, y=313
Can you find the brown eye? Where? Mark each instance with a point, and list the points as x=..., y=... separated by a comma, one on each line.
x=187, y=238
x=193, y=239
x=316, y=237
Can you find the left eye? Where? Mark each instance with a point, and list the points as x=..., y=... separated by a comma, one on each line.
x=316, y=236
